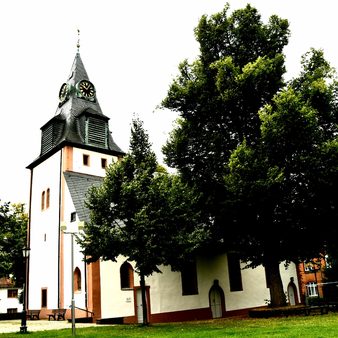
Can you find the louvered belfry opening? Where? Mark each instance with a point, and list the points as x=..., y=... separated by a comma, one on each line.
x=96, y=132
x=51, y=135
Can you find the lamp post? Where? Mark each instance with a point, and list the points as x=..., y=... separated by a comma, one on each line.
x=23, y=327
x=72, y=233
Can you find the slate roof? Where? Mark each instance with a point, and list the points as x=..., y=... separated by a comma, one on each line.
x=75, y=106
x=65, y=126
x=78, y=185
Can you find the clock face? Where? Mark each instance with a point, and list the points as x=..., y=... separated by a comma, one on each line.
x=63, y=93
x=86, y=89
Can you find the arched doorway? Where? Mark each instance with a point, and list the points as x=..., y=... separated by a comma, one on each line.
x=216, y=300
x=292, y=293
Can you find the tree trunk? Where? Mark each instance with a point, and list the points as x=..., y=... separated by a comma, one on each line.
x=277, y=295
x=144, y=299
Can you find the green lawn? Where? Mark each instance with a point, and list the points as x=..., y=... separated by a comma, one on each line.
x=298, y=326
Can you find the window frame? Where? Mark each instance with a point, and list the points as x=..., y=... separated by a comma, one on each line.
x=104, y=163
x=312, y=289
x=44, y=297
x=12, y=293
x=86, y=160
x=73, y=216
x=189, y=280
x=47, y=198
x=126, y=276
x=235, y=272
x=77, y=280
x=43, y=196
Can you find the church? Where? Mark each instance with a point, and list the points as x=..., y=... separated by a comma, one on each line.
x=76, y=148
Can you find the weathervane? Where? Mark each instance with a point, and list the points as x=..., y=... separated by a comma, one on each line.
x=78, y=41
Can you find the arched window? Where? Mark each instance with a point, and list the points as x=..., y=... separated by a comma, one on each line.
x=127, y=276
x=77, y=280
x=43, y=200
x=47, y=198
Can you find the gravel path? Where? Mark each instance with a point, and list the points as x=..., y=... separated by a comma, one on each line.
x=38, y=325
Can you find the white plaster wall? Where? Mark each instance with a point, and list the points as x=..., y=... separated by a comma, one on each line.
x=79, y=296
x=114, y=301
x=9, y=303
x=254, y=291
x=43, y=260
x=166, y=290
x=94, y=167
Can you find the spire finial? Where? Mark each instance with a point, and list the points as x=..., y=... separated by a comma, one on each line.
x=78, y=41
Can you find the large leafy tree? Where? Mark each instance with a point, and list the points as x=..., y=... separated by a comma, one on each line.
x=262, y=154
x=283, y=188
x=13, y=235
x=142, y=213
x=239, y=69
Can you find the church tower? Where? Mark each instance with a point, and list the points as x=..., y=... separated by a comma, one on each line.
x=76, y=148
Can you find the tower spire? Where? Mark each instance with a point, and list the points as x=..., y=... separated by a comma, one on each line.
x=78, y=41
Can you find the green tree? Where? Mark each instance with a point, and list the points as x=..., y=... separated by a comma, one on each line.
x=13, y=234
x=263, y=154
x=142, y=213
x=239, y=69
x=283, y=188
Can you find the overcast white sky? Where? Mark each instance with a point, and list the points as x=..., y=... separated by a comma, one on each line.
x=130, y=49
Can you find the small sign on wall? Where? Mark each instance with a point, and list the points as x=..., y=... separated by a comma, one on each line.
x=128, y=300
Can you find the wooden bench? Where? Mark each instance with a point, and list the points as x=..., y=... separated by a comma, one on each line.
x=33, y=314
x=57, y=314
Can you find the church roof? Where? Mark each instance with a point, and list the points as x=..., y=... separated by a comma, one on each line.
x=75, y=105
x=78, y=185
x=77, y=121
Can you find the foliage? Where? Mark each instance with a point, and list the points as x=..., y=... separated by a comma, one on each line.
x=13, y=232
x=239, y=69
x=263, y=153
x=142, y=212
x=218, y=96
x=285, y=183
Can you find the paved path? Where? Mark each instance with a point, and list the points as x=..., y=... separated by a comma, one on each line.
x=38, y=325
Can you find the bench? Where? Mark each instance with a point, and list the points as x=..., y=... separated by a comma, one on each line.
x=316, y=305
x=31, y=314
x=333, y=305
x=323, y=309
x=57, y=314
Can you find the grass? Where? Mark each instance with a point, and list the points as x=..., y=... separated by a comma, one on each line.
x=297, y=326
